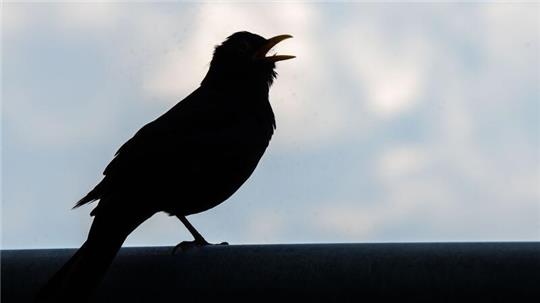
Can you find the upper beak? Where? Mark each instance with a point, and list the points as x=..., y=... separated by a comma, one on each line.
x=261, y=53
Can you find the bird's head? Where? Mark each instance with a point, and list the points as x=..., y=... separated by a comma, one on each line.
x=242, y=59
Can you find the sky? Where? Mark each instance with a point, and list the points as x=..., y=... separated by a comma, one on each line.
x=395, y=123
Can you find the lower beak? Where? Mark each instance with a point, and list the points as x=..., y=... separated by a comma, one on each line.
x=261, y=53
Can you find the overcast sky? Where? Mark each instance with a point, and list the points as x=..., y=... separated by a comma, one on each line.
x=396, y=122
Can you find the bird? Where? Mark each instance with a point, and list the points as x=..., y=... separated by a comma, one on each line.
x=188, y=160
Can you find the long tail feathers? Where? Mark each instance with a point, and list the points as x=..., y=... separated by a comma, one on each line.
x=77, y=280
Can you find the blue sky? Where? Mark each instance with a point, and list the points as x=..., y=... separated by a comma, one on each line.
x=396, y=122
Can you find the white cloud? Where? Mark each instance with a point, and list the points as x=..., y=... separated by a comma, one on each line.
x=265, y=227
x=399, y=161
x=45, y=129
x=14, y=19
x=392, y=76
x=88, y=16
x=174, y=76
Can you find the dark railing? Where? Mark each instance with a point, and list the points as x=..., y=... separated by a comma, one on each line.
x=426, y=272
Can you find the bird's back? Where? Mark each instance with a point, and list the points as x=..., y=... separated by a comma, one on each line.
x=194, y=156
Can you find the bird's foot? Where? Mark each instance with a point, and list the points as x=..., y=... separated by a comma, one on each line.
x=187, y=245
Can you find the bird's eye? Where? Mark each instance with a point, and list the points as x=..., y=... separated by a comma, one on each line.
x=244, y=47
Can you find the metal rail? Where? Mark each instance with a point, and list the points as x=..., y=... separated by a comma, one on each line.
x=425, y=272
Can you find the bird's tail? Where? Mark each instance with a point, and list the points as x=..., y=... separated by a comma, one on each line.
x=77, y=280
x=72, y=281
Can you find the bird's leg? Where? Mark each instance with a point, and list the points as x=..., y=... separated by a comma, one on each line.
x=199, y=240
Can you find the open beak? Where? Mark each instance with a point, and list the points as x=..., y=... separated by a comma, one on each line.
x=261, y=53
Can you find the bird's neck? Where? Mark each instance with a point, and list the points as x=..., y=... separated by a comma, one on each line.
x=232, y=84
x=247, y=94
x=226, y=77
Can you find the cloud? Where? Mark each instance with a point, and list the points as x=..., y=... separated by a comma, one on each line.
x=265, y=227
x=402, y=161
x=88, y=17
x=392, y=83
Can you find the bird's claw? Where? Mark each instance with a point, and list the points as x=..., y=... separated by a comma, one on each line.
x=187, y=245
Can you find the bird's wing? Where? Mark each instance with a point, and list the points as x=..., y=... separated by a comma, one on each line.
x=192, y=140
x=172, y=139
x=188, y=130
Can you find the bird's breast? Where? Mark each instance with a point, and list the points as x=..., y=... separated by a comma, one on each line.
x=226, y=157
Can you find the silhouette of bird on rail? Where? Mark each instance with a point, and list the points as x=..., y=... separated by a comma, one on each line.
x=189, y=160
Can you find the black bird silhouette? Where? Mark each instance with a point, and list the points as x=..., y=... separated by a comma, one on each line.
x=189, y=160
